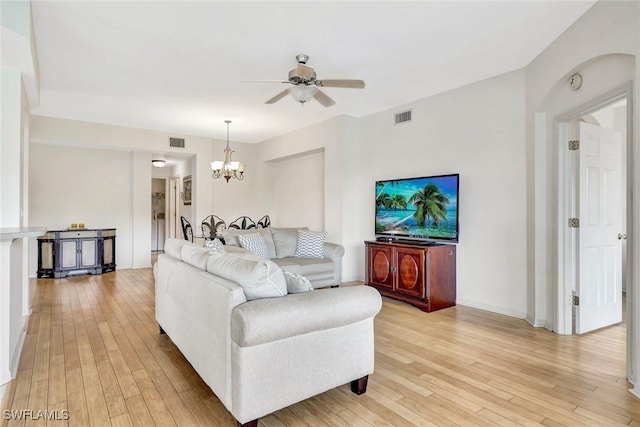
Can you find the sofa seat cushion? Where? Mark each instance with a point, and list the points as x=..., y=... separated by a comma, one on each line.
x=306, y=266
x=268, y=320
x=259, y=278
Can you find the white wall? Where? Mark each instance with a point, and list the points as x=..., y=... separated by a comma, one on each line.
x=604, y=46
x=14, y=284
x=296, y=188
x=238, y=198
x=601, y=46
x=138, y=145
x=84, y=185
x=339, y=138
x=19, y=91
x=477, y=131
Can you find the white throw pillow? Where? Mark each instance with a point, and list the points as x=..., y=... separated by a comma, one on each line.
x=255, y=243
x=310, y=244
x=296, y=283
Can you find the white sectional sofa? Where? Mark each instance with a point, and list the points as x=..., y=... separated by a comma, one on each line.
x=259, y=355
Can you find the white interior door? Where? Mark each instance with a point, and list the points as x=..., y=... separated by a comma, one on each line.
x=599, y=284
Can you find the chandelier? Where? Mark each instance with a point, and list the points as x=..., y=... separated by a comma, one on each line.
x=227, y=169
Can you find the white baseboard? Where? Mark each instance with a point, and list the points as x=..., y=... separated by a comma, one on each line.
x=492, y=309
x=536, y=323
x=635, y=392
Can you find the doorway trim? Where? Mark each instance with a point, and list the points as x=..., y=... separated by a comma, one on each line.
x=565, y=249
x=174, y=205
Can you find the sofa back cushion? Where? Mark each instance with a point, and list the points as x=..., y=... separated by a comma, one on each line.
x=195, y=255
x=259, y=278
x=173, y=247
x=285, y=240
x=231, y=238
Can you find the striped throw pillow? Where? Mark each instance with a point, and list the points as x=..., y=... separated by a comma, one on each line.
x=310, y=244
x=255, y=243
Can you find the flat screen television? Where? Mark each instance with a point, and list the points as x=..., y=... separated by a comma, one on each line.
x=424, y=208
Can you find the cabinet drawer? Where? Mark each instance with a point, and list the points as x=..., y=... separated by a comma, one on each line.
x=109, y=233
x=78, y=234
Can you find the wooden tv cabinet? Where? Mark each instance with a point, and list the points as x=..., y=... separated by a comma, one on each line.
x=421, y=274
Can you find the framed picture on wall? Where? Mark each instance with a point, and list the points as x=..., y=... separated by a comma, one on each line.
x=186, y=190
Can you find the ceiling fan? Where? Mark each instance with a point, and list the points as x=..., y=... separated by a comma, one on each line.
x=305, y=84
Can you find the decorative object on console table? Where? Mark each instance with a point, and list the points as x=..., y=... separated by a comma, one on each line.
x=422, y=274
x=65, y=252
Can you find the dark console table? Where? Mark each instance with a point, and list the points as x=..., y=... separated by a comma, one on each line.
x=76, y=251
x=422, y=274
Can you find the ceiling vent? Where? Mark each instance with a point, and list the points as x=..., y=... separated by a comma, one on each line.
x=176, y=142
x=403, y=117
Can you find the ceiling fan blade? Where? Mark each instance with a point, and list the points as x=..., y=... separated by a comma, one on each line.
x=305, y=72
x=278, y=97
x=323, y=98
x=264, y=81
x=355, y=84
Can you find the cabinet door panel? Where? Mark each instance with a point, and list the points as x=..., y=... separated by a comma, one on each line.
x=69, y=258
x=380, y=266
x=89, y=256
x=46, y=257
x=410, y=264
x=108, y=251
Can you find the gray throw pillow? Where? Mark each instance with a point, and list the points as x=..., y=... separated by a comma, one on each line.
x=285, y=240
x=296, y=283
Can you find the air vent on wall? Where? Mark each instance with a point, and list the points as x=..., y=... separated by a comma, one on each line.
x=176, y=142
x=403, y=117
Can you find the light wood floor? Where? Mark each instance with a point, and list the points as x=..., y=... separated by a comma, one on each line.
x=93, y=349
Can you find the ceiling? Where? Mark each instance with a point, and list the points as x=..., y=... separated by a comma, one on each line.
x=177, y=66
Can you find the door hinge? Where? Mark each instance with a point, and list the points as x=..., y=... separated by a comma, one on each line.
x=574, y=144
x=575, y=300
x=574, y=223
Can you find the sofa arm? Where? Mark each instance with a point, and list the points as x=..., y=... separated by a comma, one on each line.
x=333, y=251
x=272, y=319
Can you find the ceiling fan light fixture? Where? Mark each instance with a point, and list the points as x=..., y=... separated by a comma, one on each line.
x=303, y=94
